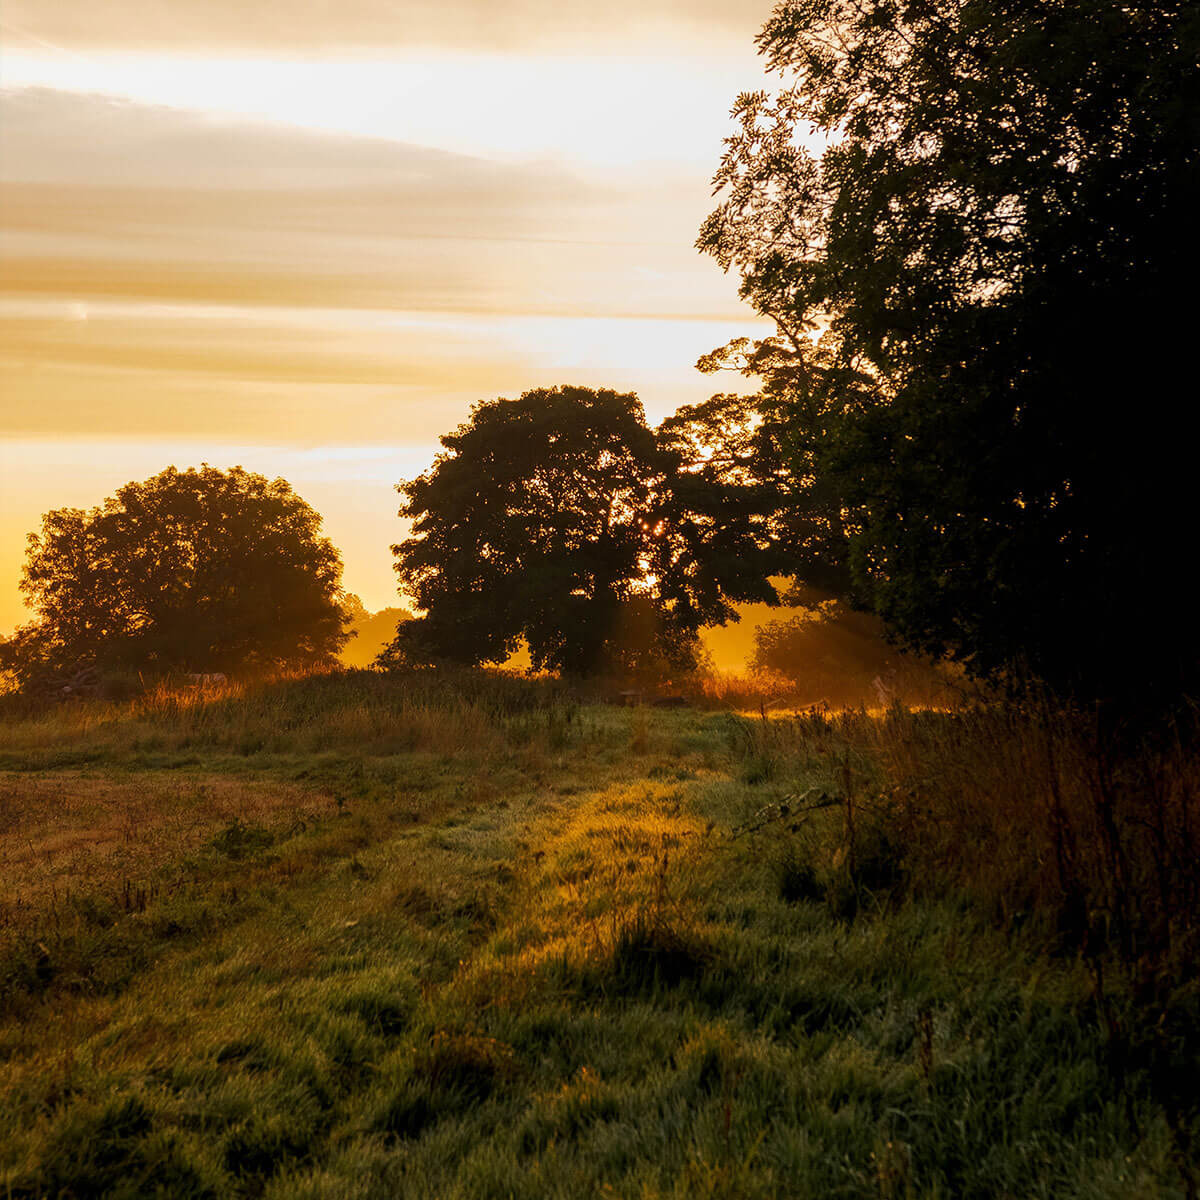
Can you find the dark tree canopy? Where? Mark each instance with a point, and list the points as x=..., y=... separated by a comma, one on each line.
x=198, y=570
x=990, y=207
x=556, y=519
x=768, y=451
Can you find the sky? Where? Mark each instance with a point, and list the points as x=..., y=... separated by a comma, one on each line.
x=307, y=238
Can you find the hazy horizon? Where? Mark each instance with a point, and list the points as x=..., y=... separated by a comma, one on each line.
x=311, y=257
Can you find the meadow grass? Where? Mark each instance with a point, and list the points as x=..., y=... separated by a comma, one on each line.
x=361, y=936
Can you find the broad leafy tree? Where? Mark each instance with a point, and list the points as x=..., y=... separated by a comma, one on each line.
x=200, y=570
x=764, y=453
x=561, y=520
x=988, y=208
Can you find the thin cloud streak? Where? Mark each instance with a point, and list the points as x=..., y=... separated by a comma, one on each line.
x=316, y=27
x=214, y=285
x=584, y=110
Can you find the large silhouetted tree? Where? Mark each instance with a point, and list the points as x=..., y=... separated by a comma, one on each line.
x=988, y=207
x=198, y=570
x=760, y=455
x=558, y=519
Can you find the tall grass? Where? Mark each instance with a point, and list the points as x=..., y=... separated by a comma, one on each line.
x=1031, y=808
x=1040, y=819
x=368, y=712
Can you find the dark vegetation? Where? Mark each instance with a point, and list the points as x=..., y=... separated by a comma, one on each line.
x=987, y=445
x=562, y=520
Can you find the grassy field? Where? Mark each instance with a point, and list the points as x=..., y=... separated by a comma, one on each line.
x=355, y=936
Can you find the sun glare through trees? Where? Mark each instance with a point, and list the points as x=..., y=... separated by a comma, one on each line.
x=542, y=770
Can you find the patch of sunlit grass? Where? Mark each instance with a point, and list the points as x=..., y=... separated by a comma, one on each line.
x=524, y=957
x=365, y=712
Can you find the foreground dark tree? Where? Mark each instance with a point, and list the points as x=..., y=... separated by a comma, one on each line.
x=557, y=519
x=199, y=570
x=989, y=207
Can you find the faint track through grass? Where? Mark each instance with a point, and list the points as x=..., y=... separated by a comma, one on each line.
x=534, y=965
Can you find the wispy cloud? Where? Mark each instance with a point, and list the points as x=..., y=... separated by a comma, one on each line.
x=315, y=25
x=238, y=275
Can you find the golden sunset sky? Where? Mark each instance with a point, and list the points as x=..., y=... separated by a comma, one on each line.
x=306, y=237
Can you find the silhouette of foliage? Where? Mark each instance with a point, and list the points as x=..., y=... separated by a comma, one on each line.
x=766, y=450
x=988, y=208
x=197, y=570
x=561, y=519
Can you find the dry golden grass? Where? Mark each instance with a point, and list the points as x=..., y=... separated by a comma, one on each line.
x=68, y=832
x=1041, y=813
x=362, y=712
x=769, y=691
x=1044, y=810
